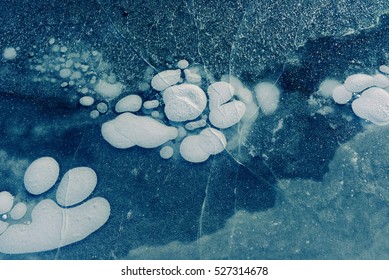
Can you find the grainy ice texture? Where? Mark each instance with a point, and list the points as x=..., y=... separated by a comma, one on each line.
x=274, y=169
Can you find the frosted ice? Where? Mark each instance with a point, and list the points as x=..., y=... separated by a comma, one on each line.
x=384, y=69
x=381, y=80
x=327, y=87
x=191, y=77
x=65, y=73
x=3, y=226
x=268, y=96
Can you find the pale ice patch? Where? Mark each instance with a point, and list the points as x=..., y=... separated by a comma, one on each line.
x=190, y=149
x=151, y=104
x=3, y=226
x=327, y=87
x=268, y=97
x=192, y=77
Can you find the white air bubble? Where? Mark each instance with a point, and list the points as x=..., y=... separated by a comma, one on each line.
x=130, y=103
x=166, y=152
x=9, y=53
x=6, y=202
x=18, y=211
x=41, y=175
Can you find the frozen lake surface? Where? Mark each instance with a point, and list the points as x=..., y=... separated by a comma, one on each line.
x=194, y=129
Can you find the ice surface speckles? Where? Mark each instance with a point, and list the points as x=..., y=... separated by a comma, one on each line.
x=268, y=97
x=76, y=185
x=129, y=130
x=77, y=71
x=373, y=105
x=6, y=202
x=9, y=53
x=165, y=79
x=52, y=226
x=184, y=102
x=41, y=175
